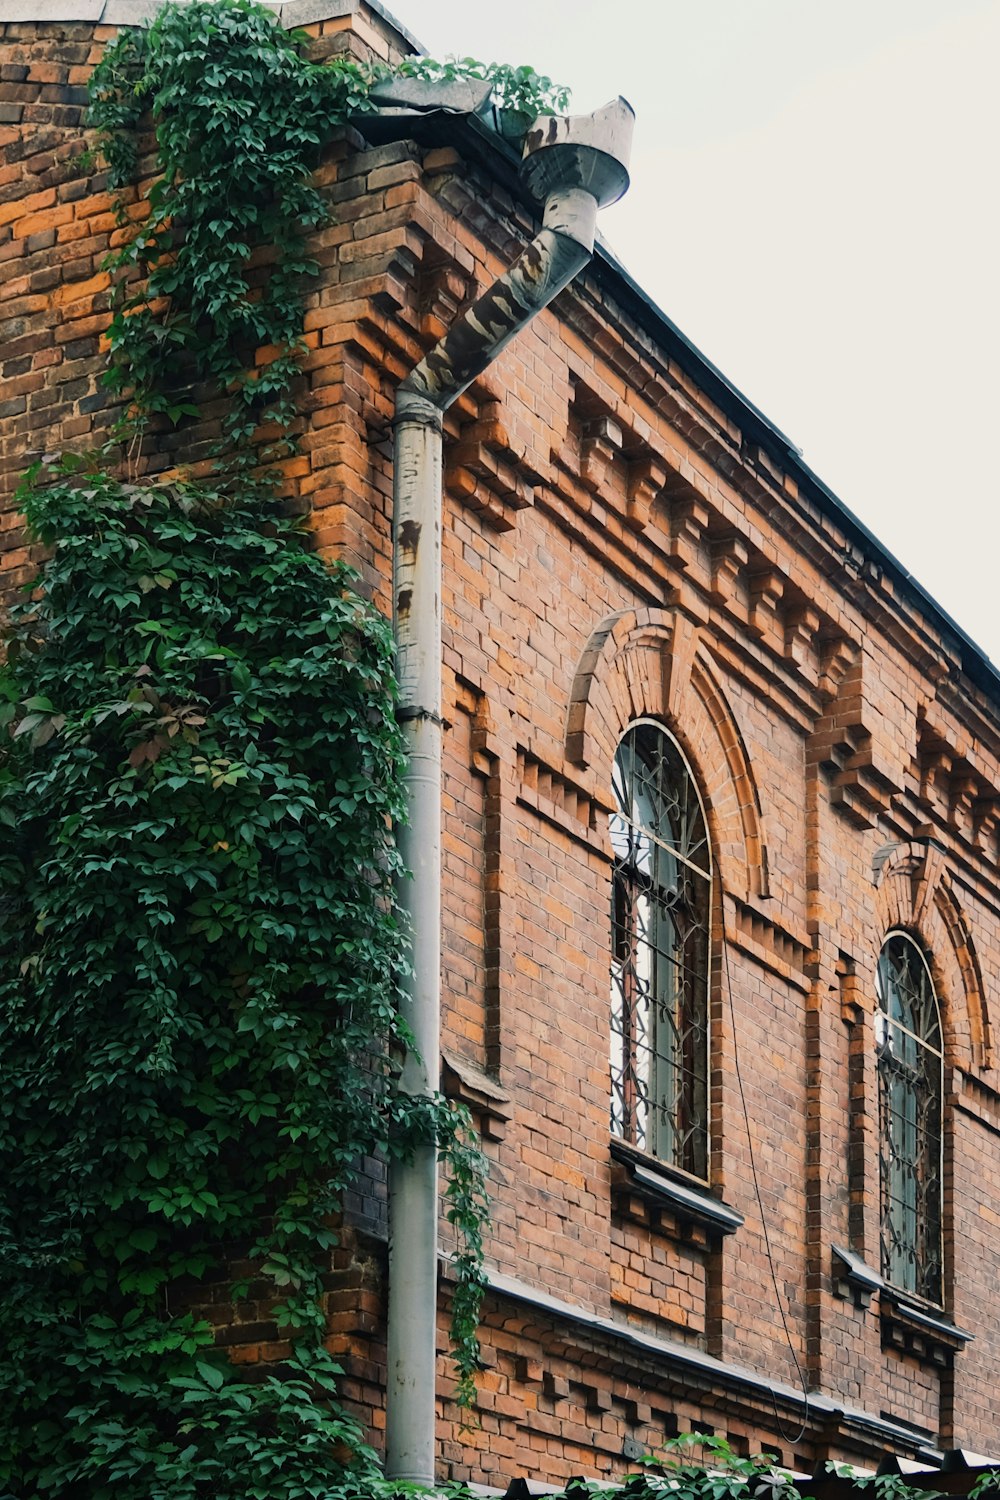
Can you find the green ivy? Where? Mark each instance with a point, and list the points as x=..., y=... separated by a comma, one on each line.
x=696, y=1466
x=519, y=89
x=240, y=116
x=199, y=968
x=200, y=955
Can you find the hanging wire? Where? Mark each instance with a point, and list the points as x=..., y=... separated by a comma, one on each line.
x=791, y=1440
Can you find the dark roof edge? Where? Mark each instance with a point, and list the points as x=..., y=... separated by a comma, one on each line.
x=496, y=155
x=390, y=20
x=290, y=13
x=753, y=421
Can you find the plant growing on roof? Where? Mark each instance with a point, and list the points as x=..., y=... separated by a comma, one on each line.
x=696, y=1466
x=520, y=88
x=240, y=116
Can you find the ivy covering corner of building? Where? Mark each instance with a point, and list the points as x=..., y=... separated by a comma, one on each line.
x=202, y=956
x=200, y=950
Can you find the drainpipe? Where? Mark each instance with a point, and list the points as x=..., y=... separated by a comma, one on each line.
x=574, y=165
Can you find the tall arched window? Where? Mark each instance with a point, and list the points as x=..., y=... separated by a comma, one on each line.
x=908, y=1039
x=660, y=903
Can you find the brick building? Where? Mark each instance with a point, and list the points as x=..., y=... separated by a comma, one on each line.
x=721, y=802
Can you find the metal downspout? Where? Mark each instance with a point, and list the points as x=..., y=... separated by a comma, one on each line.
x=575, y=165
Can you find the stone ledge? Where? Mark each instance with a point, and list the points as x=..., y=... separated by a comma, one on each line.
x=52, y=10
x=688, y=1203
x=853, y=1278
x=909, y=1325
x=291, y=13
x=481, y=1094
x=656, y=1360
x=925, y=1333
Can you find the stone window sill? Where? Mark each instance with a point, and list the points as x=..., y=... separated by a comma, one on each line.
x=909, y=1325
x=649, y=1190
x=489, y=1104
x=853, y=1278
x=923, y=1331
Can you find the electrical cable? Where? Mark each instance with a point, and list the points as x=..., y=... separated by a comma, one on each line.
x=785, y=1437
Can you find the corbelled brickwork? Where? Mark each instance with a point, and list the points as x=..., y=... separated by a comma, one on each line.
x=624, y=538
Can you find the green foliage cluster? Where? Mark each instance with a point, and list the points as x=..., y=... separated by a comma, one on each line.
x=700, y=1467
x=199, y=775
x=516, y=88
x=199, y=959
x=240, y=116
x=696, y=1466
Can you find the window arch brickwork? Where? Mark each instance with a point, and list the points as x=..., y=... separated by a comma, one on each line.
x=651, y=662
x=916, y=895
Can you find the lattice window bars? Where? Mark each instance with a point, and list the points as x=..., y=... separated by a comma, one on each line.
x=661, y=900
x=909, y=1050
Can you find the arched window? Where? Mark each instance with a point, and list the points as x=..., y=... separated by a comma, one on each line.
x=908, y=1039
x=660, y=903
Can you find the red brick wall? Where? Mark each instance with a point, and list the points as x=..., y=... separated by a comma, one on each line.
x=616, y=545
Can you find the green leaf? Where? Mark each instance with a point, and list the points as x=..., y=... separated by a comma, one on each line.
x=210, y=1374
x=201, y=948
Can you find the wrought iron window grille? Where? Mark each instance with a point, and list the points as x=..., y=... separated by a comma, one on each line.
x=660, y=905
x=908, y=1044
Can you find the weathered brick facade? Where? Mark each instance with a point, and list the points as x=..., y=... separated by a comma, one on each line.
x=625, y=538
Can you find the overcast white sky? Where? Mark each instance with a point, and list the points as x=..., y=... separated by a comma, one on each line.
x=815, y=202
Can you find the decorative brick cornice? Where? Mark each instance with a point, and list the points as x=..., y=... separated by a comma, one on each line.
x=660, y=1362
x=290, y=13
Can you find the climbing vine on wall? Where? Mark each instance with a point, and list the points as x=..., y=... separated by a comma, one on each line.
x=240, y=115
x=199, y=948
x=199, y=959
x=198, y=967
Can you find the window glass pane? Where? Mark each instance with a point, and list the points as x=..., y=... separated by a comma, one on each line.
x=908, y=1042
x=659, y=952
